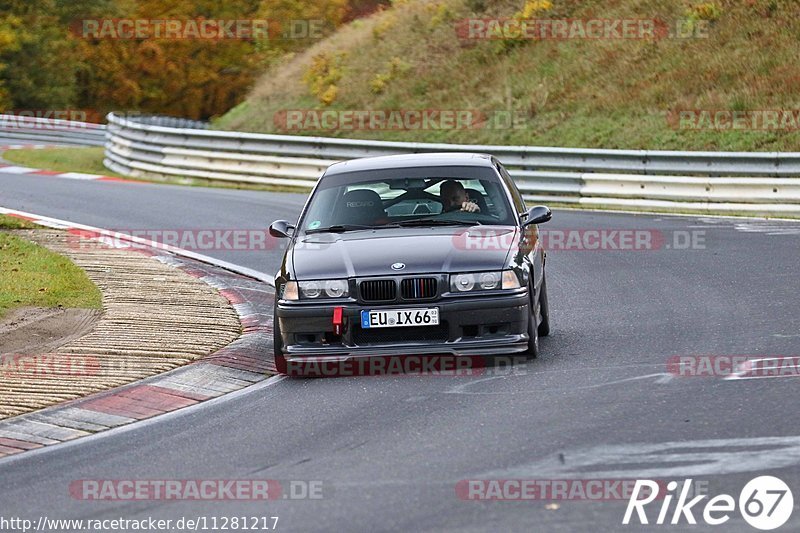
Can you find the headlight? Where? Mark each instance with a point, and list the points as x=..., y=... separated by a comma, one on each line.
x=336, y=288
x=462, y=282
x=312, y=290
x=489, y=281
x=483, y=281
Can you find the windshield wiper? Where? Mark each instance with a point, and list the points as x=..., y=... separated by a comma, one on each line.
x=438, y=222
x=340, y=228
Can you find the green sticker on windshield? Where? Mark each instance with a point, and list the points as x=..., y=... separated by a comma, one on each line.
x=315, y=224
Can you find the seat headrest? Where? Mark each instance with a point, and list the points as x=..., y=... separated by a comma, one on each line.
x=361, y=206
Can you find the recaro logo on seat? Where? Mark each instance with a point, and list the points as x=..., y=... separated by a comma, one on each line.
x=360, y=204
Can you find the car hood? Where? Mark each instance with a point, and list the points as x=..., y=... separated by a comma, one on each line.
x=422, y=250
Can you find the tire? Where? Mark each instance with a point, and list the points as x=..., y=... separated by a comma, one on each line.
x=533, y=332
x=544, y=310
x=277, y=343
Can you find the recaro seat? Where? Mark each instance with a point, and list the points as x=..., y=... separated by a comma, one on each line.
x=361, y=207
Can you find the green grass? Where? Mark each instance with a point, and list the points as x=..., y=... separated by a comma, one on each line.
x=90, y=161
x=87, y=160
x=32, y=276
x=9, y=222
x=571, y=93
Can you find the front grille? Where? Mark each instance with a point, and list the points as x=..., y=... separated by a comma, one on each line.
x=418, y=288
x=438, y=333
x=382, y=290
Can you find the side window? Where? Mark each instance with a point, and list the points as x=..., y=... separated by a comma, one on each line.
x=519, y=203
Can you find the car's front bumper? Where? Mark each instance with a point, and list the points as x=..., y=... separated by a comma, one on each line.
x=485, y=325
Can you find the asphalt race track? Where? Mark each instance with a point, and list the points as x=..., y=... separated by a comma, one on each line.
x=390, y=451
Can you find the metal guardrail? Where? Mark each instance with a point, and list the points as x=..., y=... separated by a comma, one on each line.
x=708, y=182
x=15, y=129
x=765, y=183
x=167, y=122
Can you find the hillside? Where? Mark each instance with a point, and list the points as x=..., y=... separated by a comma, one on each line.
x=735, y=65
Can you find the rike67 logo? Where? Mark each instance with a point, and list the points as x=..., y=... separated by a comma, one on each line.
x=765, y=503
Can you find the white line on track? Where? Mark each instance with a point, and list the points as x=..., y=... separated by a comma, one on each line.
x=63, y=224
x=17, y=170
x=707, y=457
x=747, y=367
x=463, y=388
x=78, y=176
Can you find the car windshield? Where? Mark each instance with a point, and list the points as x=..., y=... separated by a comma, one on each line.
x=369, y=200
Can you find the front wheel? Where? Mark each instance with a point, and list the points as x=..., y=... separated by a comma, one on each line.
x=544, y=310
x=533, y=331
x=277, y=343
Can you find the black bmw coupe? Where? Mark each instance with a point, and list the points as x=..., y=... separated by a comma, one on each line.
x=412, y=254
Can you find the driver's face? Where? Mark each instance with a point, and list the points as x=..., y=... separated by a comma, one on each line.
x=456, y=198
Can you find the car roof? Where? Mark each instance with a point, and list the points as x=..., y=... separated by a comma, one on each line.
x=438, y=159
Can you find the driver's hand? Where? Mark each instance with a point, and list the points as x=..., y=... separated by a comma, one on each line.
x=470, y=207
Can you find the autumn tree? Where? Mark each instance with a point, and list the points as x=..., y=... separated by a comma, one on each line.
x=47, y=62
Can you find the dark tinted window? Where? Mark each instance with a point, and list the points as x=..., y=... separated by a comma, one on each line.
x=519, y=203
x=383, y=198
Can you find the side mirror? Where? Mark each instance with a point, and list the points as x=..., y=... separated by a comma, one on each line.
x=281, y=229
x=538, y=215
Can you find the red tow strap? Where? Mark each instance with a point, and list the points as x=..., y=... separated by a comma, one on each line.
x=338, y=320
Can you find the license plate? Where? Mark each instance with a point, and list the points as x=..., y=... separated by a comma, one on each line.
x=398, y=318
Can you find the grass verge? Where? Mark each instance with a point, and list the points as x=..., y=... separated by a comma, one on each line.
x=32, y=276
x=577, y=92
x=90, y=161
x=8, y=222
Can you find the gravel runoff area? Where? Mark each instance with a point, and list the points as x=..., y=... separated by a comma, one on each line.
x=155, y=318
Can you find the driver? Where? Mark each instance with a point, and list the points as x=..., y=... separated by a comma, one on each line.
x=455, y=198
